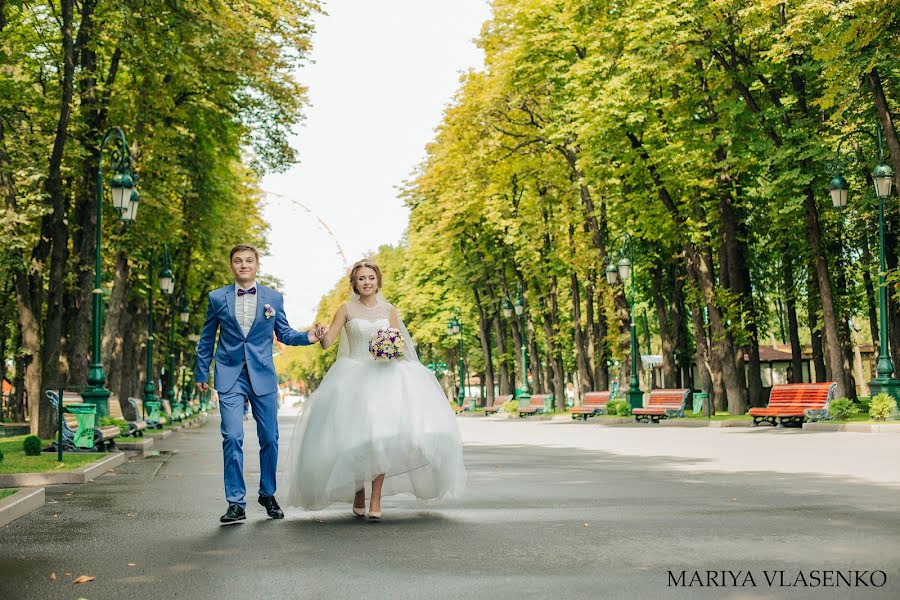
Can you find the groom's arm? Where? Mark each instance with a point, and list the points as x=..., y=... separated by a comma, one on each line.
x=207, y=341
x=287, y=334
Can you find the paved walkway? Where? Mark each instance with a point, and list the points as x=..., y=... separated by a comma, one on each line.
x=558, y=510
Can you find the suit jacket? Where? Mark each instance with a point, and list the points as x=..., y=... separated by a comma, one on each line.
x=234, y=350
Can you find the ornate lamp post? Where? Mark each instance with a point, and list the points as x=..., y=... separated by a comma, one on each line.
x=519, y=309
x=184, y=314
x=623, y=271
x=883, y=178
x=454, y=327
x=149, y=379
x=125, y=202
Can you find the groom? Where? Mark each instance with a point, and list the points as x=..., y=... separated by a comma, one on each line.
x=246, y=315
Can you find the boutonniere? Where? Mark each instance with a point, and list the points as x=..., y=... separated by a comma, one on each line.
x=270, y=312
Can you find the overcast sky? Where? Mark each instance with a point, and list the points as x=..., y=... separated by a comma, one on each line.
x=383, y=73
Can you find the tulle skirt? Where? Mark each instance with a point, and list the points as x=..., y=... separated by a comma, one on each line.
x=370, y=417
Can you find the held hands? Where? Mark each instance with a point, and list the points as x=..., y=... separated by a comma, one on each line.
x=202, y=386
x=317, y=332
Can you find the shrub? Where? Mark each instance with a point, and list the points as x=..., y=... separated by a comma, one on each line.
x=511, y=406
x=621, y=408
x=32, y=445
x=842, y=409
x=122, y=424
x=882, y=406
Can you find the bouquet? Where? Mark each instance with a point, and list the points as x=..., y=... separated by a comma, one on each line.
x=386, y=344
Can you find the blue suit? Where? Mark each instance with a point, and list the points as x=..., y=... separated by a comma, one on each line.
x=244, y=370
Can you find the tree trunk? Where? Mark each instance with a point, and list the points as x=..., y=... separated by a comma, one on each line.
x=667, y=338
x=534, y=359
x=887, y=122
x=597, y=338
x=790, y=293
x=871, y=297
x=815, y=327
x=585, y=378
x=702, y=358
x=506, y=386
x=832, y=340
x=484, y=336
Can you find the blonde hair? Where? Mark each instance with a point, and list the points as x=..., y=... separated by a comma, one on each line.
x=364, y=264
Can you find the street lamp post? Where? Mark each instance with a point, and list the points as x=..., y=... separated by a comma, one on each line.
x=125, y=202
x=454, y=327
x=184, y=314
x=149, y=379
x=883, y=178
x=623, y=271
x=523, y=392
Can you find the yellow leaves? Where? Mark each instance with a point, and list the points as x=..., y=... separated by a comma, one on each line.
x=84, y=579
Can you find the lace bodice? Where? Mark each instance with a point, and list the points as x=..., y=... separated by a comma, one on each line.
x=361, y=323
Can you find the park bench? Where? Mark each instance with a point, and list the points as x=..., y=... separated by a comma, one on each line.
x=662, y=404
x=594, y=403
x=136, y=427
x=537, y=405
x=790, y=403
x=79, y=430
x=499, y=401
x=138, y=407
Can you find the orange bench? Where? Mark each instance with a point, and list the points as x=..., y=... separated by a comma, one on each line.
x=792, y=402
x=594, y=403
x=499, y=401
x=662, y=404
x=536, y=405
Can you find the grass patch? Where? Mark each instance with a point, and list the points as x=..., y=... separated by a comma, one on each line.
x=719, y=416
x=122, y=439
x=6, y=492
x=15, y=461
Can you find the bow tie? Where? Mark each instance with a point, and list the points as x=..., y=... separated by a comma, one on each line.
x=250, y=291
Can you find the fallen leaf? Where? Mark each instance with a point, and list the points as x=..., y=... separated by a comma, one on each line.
x=68, y=574
x=52, y=576
x=587, y=525
x=129, y=515
x=69, y=493
x=132, y=564
x=84, y=579
x=319, y=521
x=56, y=515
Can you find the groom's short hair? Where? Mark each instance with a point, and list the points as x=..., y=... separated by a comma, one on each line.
x=241, y=248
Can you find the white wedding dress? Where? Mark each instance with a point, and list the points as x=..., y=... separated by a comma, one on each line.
x=369, y=417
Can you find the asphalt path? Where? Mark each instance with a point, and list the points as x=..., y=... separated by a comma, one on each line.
x=547, y=513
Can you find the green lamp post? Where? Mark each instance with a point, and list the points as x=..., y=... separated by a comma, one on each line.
x=454, y=327
x=623, y=271
x=125, y=202
x=184, y=315
x=149, y=394
x=883, y=178
x=522, y=392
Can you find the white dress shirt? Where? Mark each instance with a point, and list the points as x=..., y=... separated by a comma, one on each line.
x=245, y=307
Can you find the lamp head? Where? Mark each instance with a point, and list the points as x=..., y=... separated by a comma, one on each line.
x=612, y=274
x=839, y=191
x=121, y=184
x=520, y=305
x=507, y=308
x=883, y=176
x=167, y=281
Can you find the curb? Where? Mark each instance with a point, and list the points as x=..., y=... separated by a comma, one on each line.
x=141, y=447
x=20, y=504
x=83, y=475
x=854, y=427
x=707, y=423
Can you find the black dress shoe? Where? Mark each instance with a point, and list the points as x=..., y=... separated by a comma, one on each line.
x=271, y=507
x=234, y=513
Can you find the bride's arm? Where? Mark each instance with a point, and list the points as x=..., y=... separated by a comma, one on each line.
x=334, y=330
x=394, y=318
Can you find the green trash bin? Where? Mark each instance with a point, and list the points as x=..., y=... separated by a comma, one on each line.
x=700, y=400
x=86, y=415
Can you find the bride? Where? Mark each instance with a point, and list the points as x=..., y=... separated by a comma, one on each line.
x=383, y=421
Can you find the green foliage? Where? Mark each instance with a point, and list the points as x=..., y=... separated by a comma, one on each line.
x=621, y=408
x=882, y=406
x=1, y=455
x=32, y=445
x=511, y=406
x=122, y=424
x=842, y=409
